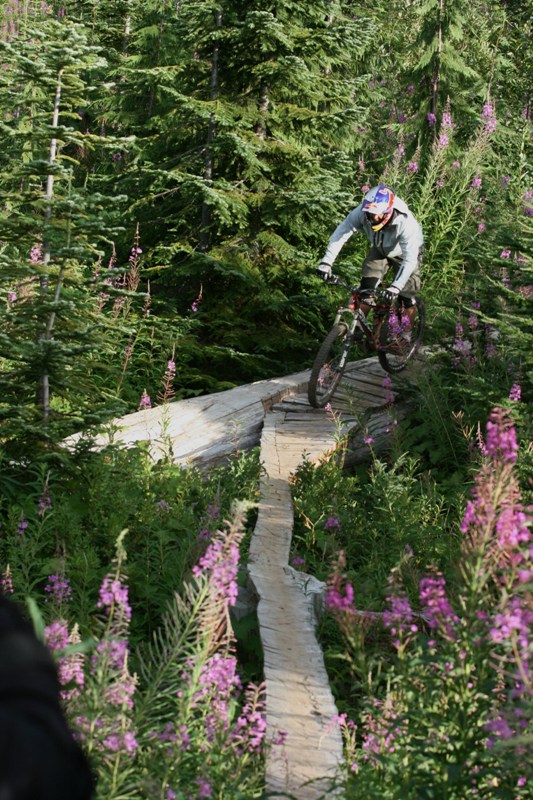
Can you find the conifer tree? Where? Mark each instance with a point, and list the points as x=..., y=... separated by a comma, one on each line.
x=51, y=229
x=248, y=121
x=441, y=35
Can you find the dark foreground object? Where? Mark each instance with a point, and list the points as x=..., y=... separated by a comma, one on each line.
x=39, y=759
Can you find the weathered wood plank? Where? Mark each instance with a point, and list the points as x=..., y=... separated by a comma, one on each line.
x=299, y=700
x=202, y=431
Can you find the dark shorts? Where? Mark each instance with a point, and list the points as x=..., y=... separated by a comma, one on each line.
x=376, y=265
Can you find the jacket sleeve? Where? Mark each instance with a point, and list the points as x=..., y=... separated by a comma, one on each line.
x=352, y=223
x=410, y=240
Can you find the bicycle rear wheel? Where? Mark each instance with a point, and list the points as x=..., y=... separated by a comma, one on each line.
x=400, y=336
x=329, y=365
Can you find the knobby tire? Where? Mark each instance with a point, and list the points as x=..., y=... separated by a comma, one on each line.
x=325, y=373
x=394, y=356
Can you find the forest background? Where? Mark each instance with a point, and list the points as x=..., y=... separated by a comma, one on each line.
x=170, y=174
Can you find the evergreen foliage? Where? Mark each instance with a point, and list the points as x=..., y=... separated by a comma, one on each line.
x=170, y=171
x=51, y=228
x=243, y=173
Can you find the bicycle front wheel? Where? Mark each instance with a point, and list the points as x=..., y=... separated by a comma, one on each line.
x=329, y=366
x=401, y=336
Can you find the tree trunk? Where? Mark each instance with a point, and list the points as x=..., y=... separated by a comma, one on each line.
x=436, y=65
x=52, y=156
x=264, y=105
x=205, y=222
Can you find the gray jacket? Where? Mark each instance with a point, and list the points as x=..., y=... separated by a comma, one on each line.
x=400, y=238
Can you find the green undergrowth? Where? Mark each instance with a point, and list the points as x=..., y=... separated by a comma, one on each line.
x=378, y=517
x=66, y=521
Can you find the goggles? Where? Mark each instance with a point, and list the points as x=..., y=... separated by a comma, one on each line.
x=374, y=219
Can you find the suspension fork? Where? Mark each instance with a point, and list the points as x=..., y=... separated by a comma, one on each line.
x=342, y=316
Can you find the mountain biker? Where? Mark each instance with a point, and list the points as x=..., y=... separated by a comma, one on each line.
x=396, y=241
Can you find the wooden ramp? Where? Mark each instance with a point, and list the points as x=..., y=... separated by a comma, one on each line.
x=201, y=431
x=300, y=705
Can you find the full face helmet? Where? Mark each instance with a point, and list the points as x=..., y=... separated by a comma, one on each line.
x=378, y=206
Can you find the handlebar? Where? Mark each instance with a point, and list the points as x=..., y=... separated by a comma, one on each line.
x=375, y=293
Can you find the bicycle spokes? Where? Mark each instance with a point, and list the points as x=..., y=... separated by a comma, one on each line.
x=329, y=365
x=326, y=375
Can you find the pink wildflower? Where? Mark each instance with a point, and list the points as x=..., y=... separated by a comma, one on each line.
x=196, y=304
x=58, y=589
x=501, y=441
x=339, y=600
x=220, y=562
x=488, y=116
x=204, y=789
x=45, y=503
x=126, y=742
x=388, y=393
x=145, y=401
x=399, y=619
x=113, y=594
x=6, y=582
x=515, y=393
x=436, y=605
x=56, y=635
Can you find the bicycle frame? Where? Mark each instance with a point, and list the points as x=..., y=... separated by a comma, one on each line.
x=352, y=315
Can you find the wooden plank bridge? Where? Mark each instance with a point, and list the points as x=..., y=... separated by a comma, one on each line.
x=276, y=414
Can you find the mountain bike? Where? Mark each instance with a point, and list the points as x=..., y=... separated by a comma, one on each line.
x=390, y=329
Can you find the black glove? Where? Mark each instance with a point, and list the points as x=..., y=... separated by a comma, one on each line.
x=389, y=295
x=324, y=271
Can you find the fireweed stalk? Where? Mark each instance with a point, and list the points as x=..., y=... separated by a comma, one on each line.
x=167, y=392
x=70, y=666
x=497, y=535
x=102, y=708
x=497, y=568
x=457, y=692
x=186, y=724
x=448, y=199
x=201, y=727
